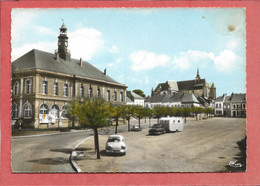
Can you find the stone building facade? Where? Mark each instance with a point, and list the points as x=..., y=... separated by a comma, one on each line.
x=44, y=83
x=231, y=106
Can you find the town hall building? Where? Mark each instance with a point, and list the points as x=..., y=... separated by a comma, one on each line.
x=43, y=84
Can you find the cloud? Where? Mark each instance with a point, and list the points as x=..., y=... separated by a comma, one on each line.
x=45, y=46
x=21, y=19
x=226, y=60
x=232, y=45
x=143, y=60
x=83, y=43
x=186, y=59
x=46, y=31
x=114, y=49
x=115, y=64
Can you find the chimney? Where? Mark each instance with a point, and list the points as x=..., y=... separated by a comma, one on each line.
x=105, y=71
x=80, y=62
x=56, y=55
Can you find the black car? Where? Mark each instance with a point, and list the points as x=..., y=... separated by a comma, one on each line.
x=157, y=129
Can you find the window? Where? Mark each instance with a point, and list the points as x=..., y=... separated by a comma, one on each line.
x=98, y=93
x=16, y=88
x=66, y=89
x=121, y=97
x=44, y=109
x=216, y=105
x=45, y=87
x=55, y=111
x=27, y=110
x=64, y=112
x=15, y=111
x=220, y=105
x=108, y=95
x=28, y=86
x=81, y=91
x=115, y=95
x=55, y=88
x=90, y=92
x=234, y=106
x=243, y=106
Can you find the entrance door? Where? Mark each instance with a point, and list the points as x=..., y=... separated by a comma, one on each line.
x=234, y=114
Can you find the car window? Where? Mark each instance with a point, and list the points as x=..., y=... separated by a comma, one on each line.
x=114, y=139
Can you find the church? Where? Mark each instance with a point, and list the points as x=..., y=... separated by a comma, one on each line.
x=199, y=87
x=43, y=84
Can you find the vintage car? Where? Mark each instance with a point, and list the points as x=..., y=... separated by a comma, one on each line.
x=135, y=128
x=115, y=145
x=157, y=129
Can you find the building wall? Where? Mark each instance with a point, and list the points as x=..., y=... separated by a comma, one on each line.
x=37, y=97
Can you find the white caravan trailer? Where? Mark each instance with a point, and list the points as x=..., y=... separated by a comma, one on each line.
x=172, y=124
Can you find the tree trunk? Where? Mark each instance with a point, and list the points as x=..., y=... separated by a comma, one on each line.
x=149, y=122
x=128, y=121
x=96, y=142
x=116, y=126
x=139, y=123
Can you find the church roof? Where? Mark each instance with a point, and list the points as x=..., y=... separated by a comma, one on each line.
x=190, y=84
x=36, y=59
x=168, y=85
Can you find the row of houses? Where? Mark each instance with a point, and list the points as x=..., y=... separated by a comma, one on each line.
x=224, y=106
x=230, y=106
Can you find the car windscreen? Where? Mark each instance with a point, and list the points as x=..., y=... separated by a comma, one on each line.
x=114, y=139
x=156, y=126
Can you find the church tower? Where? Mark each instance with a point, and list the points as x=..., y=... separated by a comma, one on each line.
x=197, y=78
x=63, y=51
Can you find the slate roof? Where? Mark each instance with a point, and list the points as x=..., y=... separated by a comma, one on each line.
x=238, y=97
x=174, y=97
x=168, y=85
x=190, y=84
x=132, y=95
x=36, y=59
x=128, y=100
x=220, y=98
x=227, y=99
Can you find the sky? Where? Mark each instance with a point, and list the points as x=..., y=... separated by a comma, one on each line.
x=141, y=47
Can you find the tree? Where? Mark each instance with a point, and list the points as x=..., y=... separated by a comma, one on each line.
x=209, y=111
x=195, y=110
x=186, y=113
x=129, y=112
x=139, y=112
x=159, y=111
x=92, y=113
x=116, y=113
x=139, y=92
x=149, y=114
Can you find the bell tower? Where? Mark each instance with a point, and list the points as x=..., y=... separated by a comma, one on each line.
x=63, y=51
x=197, y=78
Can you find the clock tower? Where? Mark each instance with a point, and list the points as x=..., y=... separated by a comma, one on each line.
x=63, y=51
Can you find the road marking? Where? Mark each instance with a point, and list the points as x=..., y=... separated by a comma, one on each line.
x=74, y=153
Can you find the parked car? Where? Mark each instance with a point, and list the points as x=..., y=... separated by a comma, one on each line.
x=115, y=145
x=136, y=128
x=157, y=129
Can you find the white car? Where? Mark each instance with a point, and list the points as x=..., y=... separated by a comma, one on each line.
x=115, y=145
